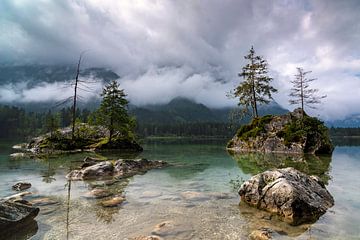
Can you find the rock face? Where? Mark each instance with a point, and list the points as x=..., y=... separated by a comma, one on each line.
x=294, y=196
x=15, y=216
x=289, y=133
x=119, y=168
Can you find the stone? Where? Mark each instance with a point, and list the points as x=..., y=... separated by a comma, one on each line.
x=99, y=170
x=114, y=202
x=194, y=196
x=128, y=167
x=18, y=196
x=119, y=169
x=43, y=201
x=296, y=197
x=151, y=194
x=146, y=238
x=98, y=193
x=14, y=216
x=261, y=234
x=21, y=186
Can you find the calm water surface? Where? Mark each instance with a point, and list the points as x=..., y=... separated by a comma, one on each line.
x=195, y=197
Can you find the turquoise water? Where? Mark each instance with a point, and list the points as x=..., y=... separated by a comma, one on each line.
x=194, y=198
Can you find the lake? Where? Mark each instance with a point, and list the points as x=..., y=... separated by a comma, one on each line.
x=194, y=198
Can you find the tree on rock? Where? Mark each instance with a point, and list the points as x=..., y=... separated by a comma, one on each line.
x=113, y=111
x=256, y=88
x=301, y=93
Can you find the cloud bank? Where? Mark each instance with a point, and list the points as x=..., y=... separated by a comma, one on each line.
x=163, y=49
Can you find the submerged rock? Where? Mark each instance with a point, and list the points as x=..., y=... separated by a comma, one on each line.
x=289, y=133
x=21, y=186
x=98, y=193
x=114, y=202
x=119, y=168
x=294, y=196
x=15, y=216
x=261, y=234
x=147, y=238
x=45, y=201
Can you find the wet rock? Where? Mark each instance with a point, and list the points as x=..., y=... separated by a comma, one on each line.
x=21, y=186
x=146, y=238
x=17, y=196
x=195, y=196
x=15, y=216
x=127, y=167
x=151, y=194
x=219, y=195
x=18, y=155
x=98, y=193
x=89, y=161
x=261, y=234
x=114, y=202
x=294, y=196
x=99, y=170
x=172, y=230
x=43, y=201
x=121, y=168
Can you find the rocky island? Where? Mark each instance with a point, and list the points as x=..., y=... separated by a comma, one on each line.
x=294, y=133
x=87, y=138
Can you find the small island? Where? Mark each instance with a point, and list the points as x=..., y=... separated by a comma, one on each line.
x=294, y=133
x=109, y=128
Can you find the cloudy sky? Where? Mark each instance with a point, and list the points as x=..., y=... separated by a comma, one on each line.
x=193, y=48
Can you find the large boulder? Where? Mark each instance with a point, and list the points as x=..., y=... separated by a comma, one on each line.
x=296, y=197
x=118, y=168
x=15, y=216
x=289, y=133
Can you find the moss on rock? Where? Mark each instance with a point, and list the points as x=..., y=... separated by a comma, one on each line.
x=292, y=133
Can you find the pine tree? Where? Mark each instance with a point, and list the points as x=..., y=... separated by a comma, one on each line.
x=256, y=88
x=113, y=111
x=301, y=93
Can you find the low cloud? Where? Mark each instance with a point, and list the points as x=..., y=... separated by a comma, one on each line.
x=163, y=49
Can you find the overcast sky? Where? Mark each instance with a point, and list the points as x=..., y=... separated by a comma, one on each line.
x=193, y=48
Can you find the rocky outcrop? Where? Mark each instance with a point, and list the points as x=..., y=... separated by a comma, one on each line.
x=87, y=138
x=289, y=133
x=118, y=168
x=296, y=197
x=20, y=186
x=15, y=216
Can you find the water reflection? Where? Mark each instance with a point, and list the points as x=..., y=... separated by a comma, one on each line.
x=254, y=163
x=49, y=173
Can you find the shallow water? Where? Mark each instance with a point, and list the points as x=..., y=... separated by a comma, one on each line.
x=194, y=198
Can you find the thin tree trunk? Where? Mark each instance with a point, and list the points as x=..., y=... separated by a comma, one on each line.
x=75, y=97
x=302, y=93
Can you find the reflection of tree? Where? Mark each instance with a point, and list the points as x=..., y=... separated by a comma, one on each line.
x=253, y=163
x=68, y=209
x=48, y=173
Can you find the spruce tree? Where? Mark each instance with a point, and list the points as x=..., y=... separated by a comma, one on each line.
x=113, y=111
x=256, y=88
x=301, y=93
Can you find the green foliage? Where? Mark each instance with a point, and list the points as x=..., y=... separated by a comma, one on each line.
x=113, y=112
x=255, y=128
x=307, y=128
x=256, y=88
